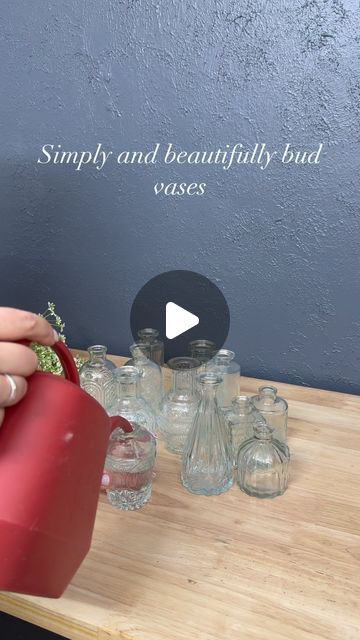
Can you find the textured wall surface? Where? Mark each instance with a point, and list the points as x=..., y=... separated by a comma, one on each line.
x=282, y=244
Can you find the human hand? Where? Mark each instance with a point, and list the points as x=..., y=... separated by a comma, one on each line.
x=17, y=361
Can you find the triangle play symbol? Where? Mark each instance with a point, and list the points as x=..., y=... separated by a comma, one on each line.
x=178, y=320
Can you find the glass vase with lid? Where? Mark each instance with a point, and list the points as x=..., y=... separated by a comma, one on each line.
x=274, y=409
x=151, y=337
x=263, y=464
x=179, y=405
x=223, y=364
x=207, y=462
x=241, y=418
x=151, y=384
x=129, y=464
x=97, y=376
x=129, y=403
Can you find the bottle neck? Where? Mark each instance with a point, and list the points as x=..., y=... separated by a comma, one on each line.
x=243, y=405
x=183, y=382
x=268, y=395
x=140, y=353
x=128, y=388
x=97, y=354
x=148, y=335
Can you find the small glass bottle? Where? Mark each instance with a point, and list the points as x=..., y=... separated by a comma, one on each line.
x=274, y=409
x=128, y=402
x=202, y=350
x=97, y=376
x=179, y=405
x=129, y=464
x=207, y=464
x=223, y=364
x=263, y=464
x=151, y=385
x=241, y=418
x=151, y=337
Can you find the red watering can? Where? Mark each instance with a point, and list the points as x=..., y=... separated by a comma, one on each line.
x=52, y=450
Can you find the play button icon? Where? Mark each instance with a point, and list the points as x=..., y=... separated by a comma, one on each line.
x=183, y=306
x=178, y=320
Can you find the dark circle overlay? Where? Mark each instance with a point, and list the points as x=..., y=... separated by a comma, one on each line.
x=189, y=290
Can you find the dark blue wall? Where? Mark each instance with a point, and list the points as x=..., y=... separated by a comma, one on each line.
x=282, y=244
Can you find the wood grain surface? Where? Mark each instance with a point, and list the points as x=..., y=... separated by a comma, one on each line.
x=230, y=566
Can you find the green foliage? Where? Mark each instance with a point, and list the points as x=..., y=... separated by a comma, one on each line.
x=48, y=360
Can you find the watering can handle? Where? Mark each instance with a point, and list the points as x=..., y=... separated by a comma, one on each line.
x=67, y=362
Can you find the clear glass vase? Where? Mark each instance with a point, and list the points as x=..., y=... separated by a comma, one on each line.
x=207, y=464
x=97, y=376
x=274, y=409
x=202, y=350
x=179, y=405
x=129, y=403
x=242, y=418
x=129, y=464
x=151, y=337
x=263, y=464
x=223, y=364
x=151, y=383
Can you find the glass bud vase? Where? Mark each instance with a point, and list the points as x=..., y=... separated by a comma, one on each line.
x=151, y=384
x=151, y=337
x=202, y=350
x=263, y=464
x=97, y=376
x=129, y=403
x=223, y=364
x=129, y=464
x=274, y=409
x=179, y=405
x=241, y=418
x=207, y=464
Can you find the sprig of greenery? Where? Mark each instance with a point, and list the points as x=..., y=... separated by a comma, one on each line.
x=48, y=360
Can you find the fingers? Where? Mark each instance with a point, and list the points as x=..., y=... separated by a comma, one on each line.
x=24, y=325
x=10, y=395
x=16, y=359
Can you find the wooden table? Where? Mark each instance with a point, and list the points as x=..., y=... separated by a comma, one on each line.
x=229, y=567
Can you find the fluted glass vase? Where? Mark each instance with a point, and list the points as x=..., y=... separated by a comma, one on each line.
x=97, y=376
x=263, y=464
x=207, y=464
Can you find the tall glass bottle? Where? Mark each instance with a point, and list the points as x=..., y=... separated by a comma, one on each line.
x=179, y=405
x=263, y=464
x=151, y=337
x=223, y=364
x=97, y=377
x=207, y=463
x=151, y=385
x=202, y=350
x=241, y=418
x=128, y=402
x=274, y=409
